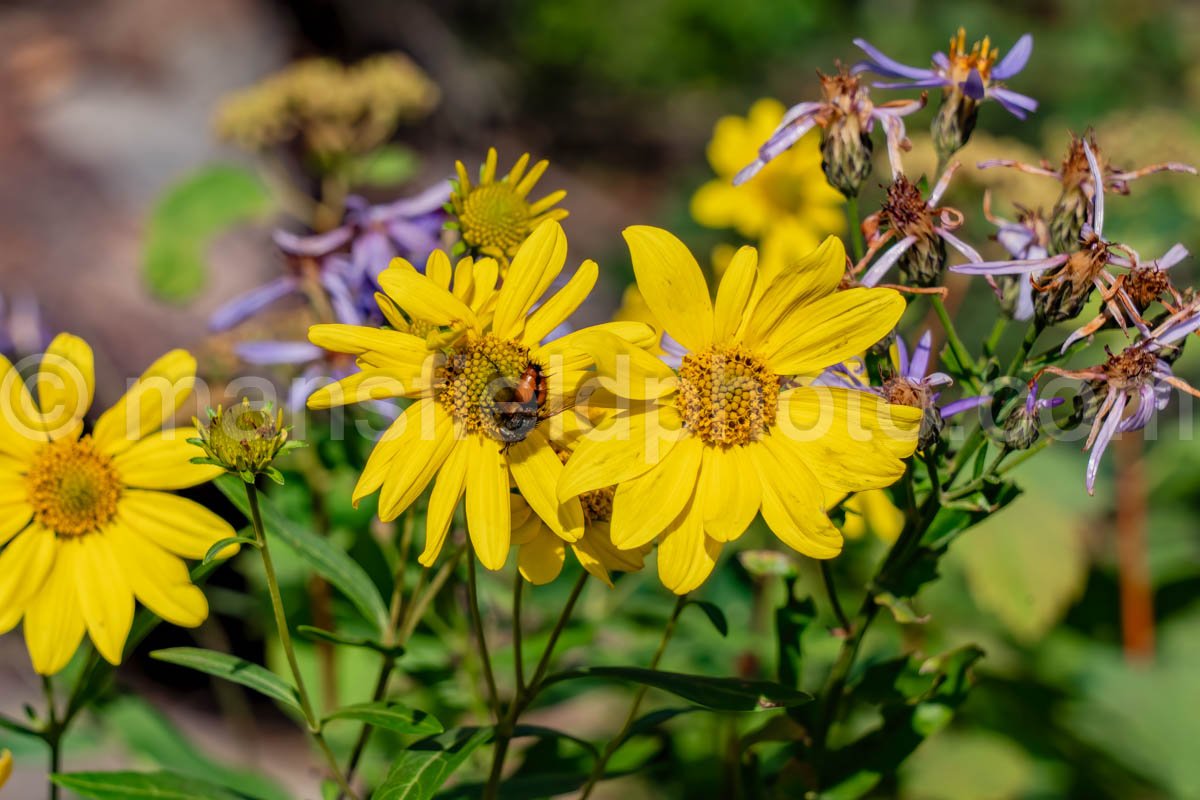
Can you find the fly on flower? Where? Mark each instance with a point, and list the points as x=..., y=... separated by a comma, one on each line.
x=967, y=78
x=1130, y=386
x=1074, y=174
x=846, y=117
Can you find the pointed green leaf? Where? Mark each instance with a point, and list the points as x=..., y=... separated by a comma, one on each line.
x=212, y=554
x=422, y=769
x=390, y=715
x=141, y=785
x=718, y=694
x=714, y=613
x=231, y=668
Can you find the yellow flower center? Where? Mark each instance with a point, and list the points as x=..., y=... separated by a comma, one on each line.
x=598, y=503
x=479, y=386
x=981, y=57
x=494, y=217
x=727, y=395
x=73, y=487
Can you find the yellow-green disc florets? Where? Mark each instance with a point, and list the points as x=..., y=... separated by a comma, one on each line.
x=478, y=384
x=244, y=440
x=727, y=395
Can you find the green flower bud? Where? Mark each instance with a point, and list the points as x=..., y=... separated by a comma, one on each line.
x=244, y=440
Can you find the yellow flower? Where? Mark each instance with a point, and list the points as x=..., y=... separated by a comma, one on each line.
x=86, y=519
x=6, y=764
x=541, y=554
x=465, y=352
x=495, y=216
x=695, y=455
x=790, y=193
x=875, y=512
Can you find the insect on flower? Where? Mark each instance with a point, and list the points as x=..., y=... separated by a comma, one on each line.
x=1063, y=283
x=1133, y=384
x=846, y=117
x=1078, y=187
x=920, y=228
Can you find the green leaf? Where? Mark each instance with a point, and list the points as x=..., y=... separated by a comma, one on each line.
x=792, y=619
x=231, y=668
x=333, y=637
x=717, y=694
x=390, y=715
x=715, y=615
x=187, y=218
x=328, y=561
x=135, y=785
x=386, y=166
x=422, y=769
x=211, y=555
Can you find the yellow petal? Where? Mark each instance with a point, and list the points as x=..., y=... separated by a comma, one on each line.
x=673, y=285
x=422, y=299
x=645, y=506
x=422, y=438
x=65, y=385
x=832, y=329
x=624, y=369
x=536, y=469
x=793, y=505
x=104, y=595
x=873, y=510
x=624, y=447
x=447, y=491
x=851, y=440
x=6, y=766
x=804, y=282
x=599, y=556
x=562, y=304
x=21, y=433
x=541, y=559
x=437, y=267
x=686, y=556
x=158, y=579
x=163, y=461
x=15, y=511
x=731, y=492
x=734, y=293
x=54, y=620
x=402, y=352
x=176, y=524
x=154, y=399
x=24, y=567
x=370, y=384
x=537, y=263
x=489, y=516
x=526, y=525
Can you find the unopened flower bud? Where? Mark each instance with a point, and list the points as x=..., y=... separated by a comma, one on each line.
x=244, y=440
x=1021, y=429
x=846, y=151
x=953, y=124
x=923, y=263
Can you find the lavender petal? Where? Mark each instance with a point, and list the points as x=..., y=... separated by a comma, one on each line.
x=885, y=262
x=883, y=65
x=973, y=87
x=270, y=353
x=1016, y=59
x=1106, y=432
x=965, y=404
x=250, y=303
x=315, y=246
x=920, y=360
x=1020, y=266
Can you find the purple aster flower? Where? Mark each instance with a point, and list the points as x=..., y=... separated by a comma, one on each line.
x=912, y=384
x=345, y=261
x=920, y=228
x=1132, y=385
x=973, y=73
x=1026, y=239
x=23, y=332
x=1075, y=176
x=1061, y=284
x=846, y=117
x=1023, y=427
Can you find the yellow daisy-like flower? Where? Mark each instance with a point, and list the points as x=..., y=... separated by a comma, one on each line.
x=695, y=455
x=470, y=356
x=86, y=520
x=790, y=198
x=6, y=767
x=495, y=216
x=873, y=511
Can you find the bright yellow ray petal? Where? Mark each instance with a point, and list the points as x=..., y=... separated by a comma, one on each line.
x=737, y=286
x=621, y=449
x=489, y=513
x=526, y=184
x=645, y=506
x=536, y=470
x=686, y=556
x=423, y=299
x=176, y=524
x=832, y=329
x=673, y=285
x=154, y=399
x=65, y=385
x=572, y=356
x=370, y=384
x=54, y=623
x=599, y=556
x=163, y=461
x=421, y=447
x=104, y=595
x=447, y=491
x=541, y=559
x=793, y=504
x=158, y=579
x=21, y=433
x=805, y=281
x=437, y=268
x=403, y=353
x=15, y=511
x=625, y=369
x=730, y=490
x=851, y=440
x=562, y=304
x=533, y=270
x=24, y=567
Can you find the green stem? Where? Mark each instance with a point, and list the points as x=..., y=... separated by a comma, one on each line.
x=827, y=579
x=961, y=354
x=285, y=640
x=1018, y=362
x=53, y=736
x=518, y=661
x=616, y=742
x=485, y=658
x=856, y=237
